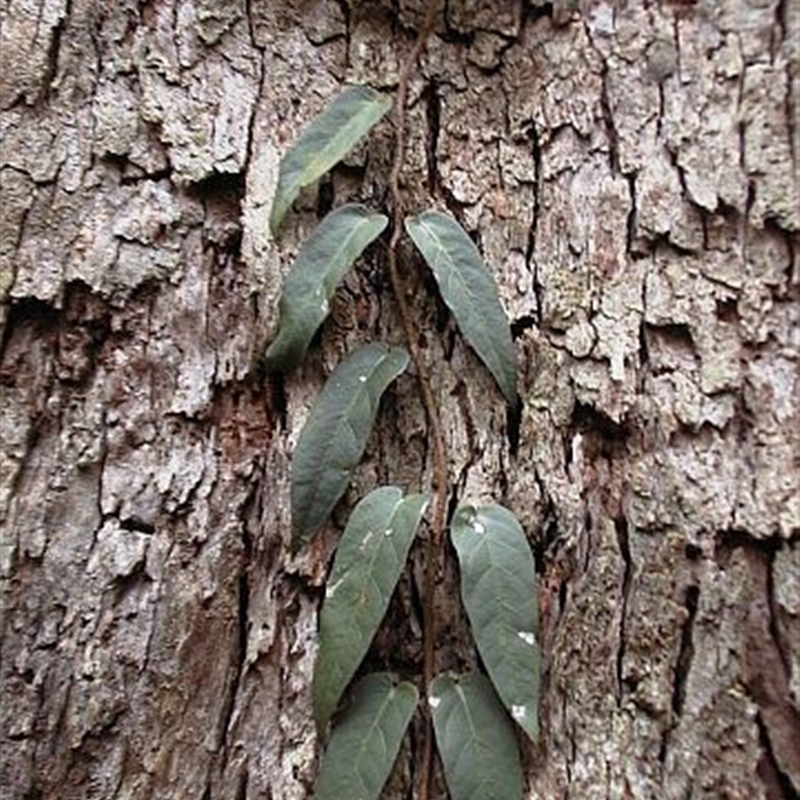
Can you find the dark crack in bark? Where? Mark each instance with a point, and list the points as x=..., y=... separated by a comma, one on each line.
x=777, y=784
x=53, y=54
x=768, y=678
x=433, y=109
x=530, y=252
x=621, y=528
x=239, y=660
x=683, y=663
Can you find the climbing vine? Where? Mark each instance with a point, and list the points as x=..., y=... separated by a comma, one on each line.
x=471, y=715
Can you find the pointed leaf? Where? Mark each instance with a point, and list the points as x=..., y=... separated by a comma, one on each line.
x=369, y=561
x=475, y=739
x=469, y=289
x=366, y=740
x=498, y=587
x=328, y=139
x=322, y=262
x=334, y=437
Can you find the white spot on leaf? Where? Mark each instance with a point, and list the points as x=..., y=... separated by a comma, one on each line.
x=365, y=540
x=362, y=378
x=434, y=701
x=330, y=590
x=468, y=515
x=527, y=637
x=478, y=527
x=518, y=712
x=388, y=532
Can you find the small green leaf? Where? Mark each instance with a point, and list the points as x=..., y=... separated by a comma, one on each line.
x=369, y=561
x=328, y=139
x=470, y=292
x=322, y=262
x=366, y=740
x=498, y=587
x=334, y=437
x=475, y=739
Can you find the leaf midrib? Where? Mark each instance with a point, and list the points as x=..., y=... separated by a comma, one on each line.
x=337, y=255
x=385, y=703
x=343, y=417
x=317, y=164
x=462, y=283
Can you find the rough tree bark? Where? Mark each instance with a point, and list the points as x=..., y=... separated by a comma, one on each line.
x=629, y=171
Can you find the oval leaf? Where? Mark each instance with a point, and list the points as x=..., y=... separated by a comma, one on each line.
x=334, y=437
x=469, y=289
x=498, y=587
x=366, y=740
x=369, y=561
x=475, y=739
x=322, y=262
x=328, y=139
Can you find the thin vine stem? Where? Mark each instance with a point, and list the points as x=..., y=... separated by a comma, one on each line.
x=440, y=482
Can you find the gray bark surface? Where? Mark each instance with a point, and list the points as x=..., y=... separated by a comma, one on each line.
x=629, y=171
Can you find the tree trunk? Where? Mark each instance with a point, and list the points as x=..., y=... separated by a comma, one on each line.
x=629, y=172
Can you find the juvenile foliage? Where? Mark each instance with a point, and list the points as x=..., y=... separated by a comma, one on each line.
x=334, y=437
x=365, y=743
x=369, y=561
x=329, y=138
x=475, y=739
x=498, y=582
x=468, y=288
x=309, y=288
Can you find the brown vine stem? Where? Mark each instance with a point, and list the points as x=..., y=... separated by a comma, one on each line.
x=440, y=477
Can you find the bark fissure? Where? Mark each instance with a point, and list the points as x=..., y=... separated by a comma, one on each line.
x=621, y=527
x=776, y=783
x=239, y=664
x=768, y=674
x=430, y=96
x=683, y=662
x=612, y=135
x=53, y=51
x=530, y=246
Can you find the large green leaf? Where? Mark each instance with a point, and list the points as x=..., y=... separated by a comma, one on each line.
x=475, y=739
x=498, y=587
x=366, y=740
x=470, y=292
x=369, y=561
x=322, y=262
x=328, y=139
x=334, y=437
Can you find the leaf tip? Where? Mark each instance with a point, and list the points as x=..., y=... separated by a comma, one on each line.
x=283, y=355
x=508, y=386
x=276, y=215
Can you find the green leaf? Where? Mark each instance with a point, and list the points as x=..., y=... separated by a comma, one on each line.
x=322, y=262
x=369, y=561
x=328, y=139
x=475, y=739
x=498, y=587
x=366, y=740
x=470, y=292
x=334, y=437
